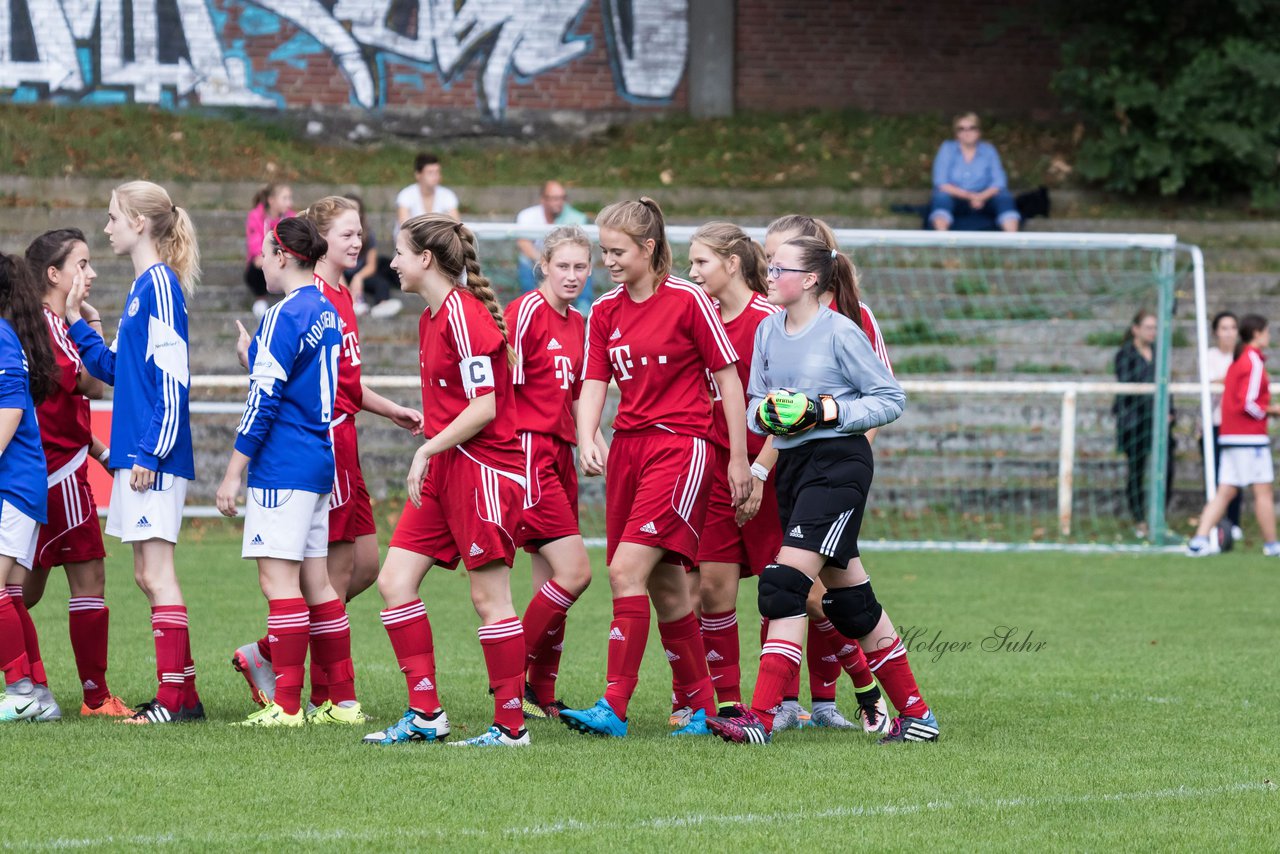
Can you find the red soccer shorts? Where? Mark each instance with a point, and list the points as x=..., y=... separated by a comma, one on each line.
x=753, y=546
x=551, y=507
x=73, y=533
x=350, y=511
x=468, y=511
x=656, y=492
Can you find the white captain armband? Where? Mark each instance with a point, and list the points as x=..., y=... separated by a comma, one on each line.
x=477, y=375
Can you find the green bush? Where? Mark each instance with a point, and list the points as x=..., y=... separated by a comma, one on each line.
x=923, y=364
x=1175, y=97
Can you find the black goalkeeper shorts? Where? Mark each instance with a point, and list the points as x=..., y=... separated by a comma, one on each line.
x=822, y=494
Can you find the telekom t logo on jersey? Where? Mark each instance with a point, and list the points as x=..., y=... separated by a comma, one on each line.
x=621, y=359
x=564, y=371
x=351, y=347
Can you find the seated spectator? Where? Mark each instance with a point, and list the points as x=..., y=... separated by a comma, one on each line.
x=273, y=203
x=553, y=209
x=425, y=195
x=370, y=289
x=969, y=182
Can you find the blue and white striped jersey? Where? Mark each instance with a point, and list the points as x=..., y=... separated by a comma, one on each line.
x=22, y=471
x=149, y=367
x=293, y=379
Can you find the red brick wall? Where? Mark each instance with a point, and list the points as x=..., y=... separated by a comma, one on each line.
x=904, y=56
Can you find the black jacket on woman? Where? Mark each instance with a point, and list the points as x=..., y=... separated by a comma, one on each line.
x=1133, y=412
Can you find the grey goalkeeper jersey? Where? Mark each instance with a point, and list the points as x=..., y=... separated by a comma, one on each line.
x=829, y=356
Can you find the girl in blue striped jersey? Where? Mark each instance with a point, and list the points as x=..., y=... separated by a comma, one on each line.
x=283, y=439
x=151, y=456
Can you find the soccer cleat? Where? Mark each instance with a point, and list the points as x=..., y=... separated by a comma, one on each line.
x=19, y=707
x=739, y=725
x=600, y=719
x=827, y=715
x=150, y=712
x=112, y=707
x=329, y=713
x=49, y=710
x=906, y=728
x=791, y=716
x=697, y=725
x=496, y=737
x=1237, y=534
x=680, y=717
x=257, y=671
x=873, y=712
x=412, y=727
x=1200, y=547
x=191, y=714
x=1271, y=550
x=532, y=709
x=273, y=715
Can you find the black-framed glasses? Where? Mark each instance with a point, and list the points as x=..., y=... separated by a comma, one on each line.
x=775, y=271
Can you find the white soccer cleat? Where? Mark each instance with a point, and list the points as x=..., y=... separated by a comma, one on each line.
x=20, y=702
x=827, y=715
x=495, y=737
x=49, y=710
x=1201, y=547
x=1271, y=550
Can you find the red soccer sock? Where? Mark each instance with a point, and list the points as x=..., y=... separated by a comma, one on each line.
x=847, y=652
x=682, y=641
x=331, y=652
x=628, y=635
x=29, y=637
x=288, y=629
x=544, y=638
x=169, y=629
x=88, y=620
x=504, y=656
x=410, y=633
x=890, y=667
x=720, y=637
x=792, y=690
x=824, y=667
x=13, y=648
x=779, y=665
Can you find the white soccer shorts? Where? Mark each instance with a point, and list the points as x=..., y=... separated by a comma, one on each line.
x=152, y=515
x=18, y=535
x=287, y=524
x=1246, y=465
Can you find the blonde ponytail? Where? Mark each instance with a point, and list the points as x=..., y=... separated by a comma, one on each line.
x=171, y=228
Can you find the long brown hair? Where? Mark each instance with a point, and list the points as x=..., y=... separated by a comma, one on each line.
x=641, y=221
x=21, y=301
x=835, y=273
x=51, y=250
x=453, y=246
x=1251, y=326
x=171, y=228
x=725, y=239
x=804, y=226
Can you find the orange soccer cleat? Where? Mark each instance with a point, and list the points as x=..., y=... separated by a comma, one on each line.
x=112, y=707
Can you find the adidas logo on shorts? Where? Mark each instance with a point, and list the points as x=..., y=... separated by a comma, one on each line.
x=143, y=523
x=795, y=532
x=424, y=684
x=649, y=528
x=553, y=344
x=476, y=550
x=256, y=541
x=671, y=656
x=712, y=655
x=615, y=634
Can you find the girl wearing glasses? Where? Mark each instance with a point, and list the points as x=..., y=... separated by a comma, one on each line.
x=657, y=336
x=968, y=178
x=827, y=652
x=817, y=387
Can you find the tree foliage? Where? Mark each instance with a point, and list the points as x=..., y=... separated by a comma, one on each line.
x=1179, y=96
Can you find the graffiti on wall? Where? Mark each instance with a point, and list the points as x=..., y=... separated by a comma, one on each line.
x=178, y=52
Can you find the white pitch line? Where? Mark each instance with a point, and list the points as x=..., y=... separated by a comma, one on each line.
x=657, y=823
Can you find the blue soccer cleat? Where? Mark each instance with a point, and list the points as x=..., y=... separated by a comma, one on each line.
x=412, y=727
x=496, y=737
x=697, y=725
x=600, y=719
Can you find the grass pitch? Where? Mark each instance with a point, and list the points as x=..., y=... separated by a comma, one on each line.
x=1128, y=702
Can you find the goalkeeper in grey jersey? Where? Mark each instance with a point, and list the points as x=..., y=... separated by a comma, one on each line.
x=817, y=387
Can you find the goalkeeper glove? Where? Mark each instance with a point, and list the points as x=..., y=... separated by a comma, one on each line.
x=786, y=412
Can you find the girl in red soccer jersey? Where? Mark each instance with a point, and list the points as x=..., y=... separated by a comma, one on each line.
x=827, y=651
x=353, y=546
x=466, y=483
x=72, y=538
x=657, y=336
x=548, y=336
x=736, y=542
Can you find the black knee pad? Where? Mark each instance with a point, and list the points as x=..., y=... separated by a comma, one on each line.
x=854, y=611
x=783, y=591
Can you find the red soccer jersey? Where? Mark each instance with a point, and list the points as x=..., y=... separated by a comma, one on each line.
x=742, y=335
x=658, y=351
x=463, y=355
x=1245, y=397
x=64, y=415
x=872, y=330
x=548, y=370
x=350, y=392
